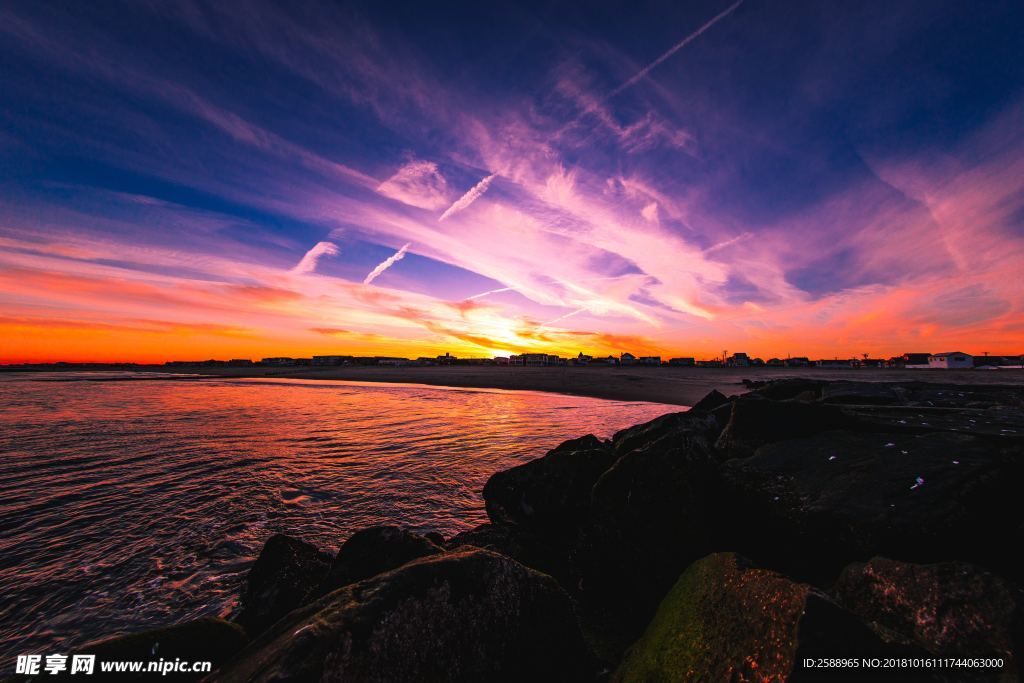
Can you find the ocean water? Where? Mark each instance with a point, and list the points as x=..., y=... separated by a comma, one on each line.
x=130, y=502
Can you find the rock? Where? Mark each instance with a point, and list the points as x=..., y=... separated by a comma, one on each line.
x=208, y=639
x=550, y=495
x=686, y=425
x=284, y=576
x=470, y=615
x=952, y=609
x=434, y=537
x=583, y=443
x=725, y=620
x=791, y=388
x=373, y=551
x=651, y=514
x=552, y=557
x=810, y=506
x=863, y=393
x=710, y=403
x=755, y=421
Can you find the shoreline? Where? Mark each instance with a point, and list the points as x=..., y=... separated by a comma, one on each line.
x=667, y=385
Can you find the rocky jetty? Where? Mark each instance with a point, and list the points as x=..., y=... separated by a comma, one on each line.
x=803, y=521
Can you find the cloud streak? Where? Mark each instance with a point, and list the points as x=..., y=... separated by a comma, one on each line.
x=463, y=202
x=312, y=257
x=386, y=263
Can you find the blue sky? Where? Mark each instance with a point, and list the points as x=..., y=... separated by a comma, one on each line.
x=829, y=178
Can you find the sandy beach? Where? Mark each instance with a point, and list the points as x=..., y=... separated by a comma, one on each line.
x=678, y=386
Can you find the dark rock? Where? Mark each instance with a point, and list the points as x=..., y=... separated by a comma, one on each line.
x=550, y=556
x=434, y=537
x=207, y=639
x=996, y=422
x=471, y=615
x=549, y=495
x=373, y=551
x=651, y=515
x=710, y=403
x=725, y=620
x=755, y=421
x=284, y=576
x=810, y=506
x=673, y=426
x=583, y=443
x=952, y=609
x=791, y=388
x=863, y=393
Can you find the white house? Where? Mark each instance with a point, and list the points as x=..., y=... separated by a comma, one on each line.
x=951, y=360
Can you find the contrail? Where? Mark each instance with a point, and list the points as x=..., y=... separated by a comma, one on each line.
x=674, y=49
x=308, y=263
x=492, y=291
x=471, y=196
x=727, y=243
x=563, y=317
x=387, y=263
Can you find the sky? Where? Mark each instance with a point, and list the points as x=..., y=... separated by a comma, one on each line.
x=191, y=180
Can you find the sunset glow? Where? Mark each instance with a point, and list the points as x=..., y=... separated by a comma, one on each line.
x=218, y=182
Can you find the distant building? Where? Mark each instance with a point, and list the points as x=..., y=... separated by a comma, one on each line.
x=393, y=362
x=426, y=360
x=583, y=359
x=278, y=360
x=797, y=362
x=709, y=364
x=627, y=358
x=775, y=363
x=515, y=360
x=446, y=359
x=913, y=360
x=684, y=361
x=649, y=360
x=501, y=360
x=951, y=360
x=535, y=358
x=738, y=360
x=997, y=361
x=833, y=363
x=608, y=360
x=332, y=360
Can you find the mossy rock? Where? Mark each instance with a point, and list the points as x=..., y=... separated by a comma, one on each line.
x=726, y=620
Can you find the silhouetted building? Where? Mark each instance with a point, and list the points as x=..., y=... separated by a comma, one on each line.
x=951, y=360
x=684, y=361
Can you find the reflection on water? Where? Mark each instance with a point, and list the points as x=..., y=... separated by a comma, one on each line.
x=127, y=504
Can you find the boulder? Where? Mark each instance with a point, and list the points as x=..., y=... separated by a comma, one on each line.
x=373, y=551
x=207, y=640
x=548, y=496
x=469, y=615
x=755, y=421
x=674, y=426
x=710, y=402
x=863, y=393
x=790, y=388
x=652, y=513
x=284, y=576
x=951, y=609
x=810, y=506
x=725, y=620
x=550, y=556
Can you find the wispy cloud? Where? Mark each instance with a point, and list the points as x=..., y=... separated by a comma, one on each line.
x=417, y=183
x=386, y=263
x=309, y=261
x=463, y=202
